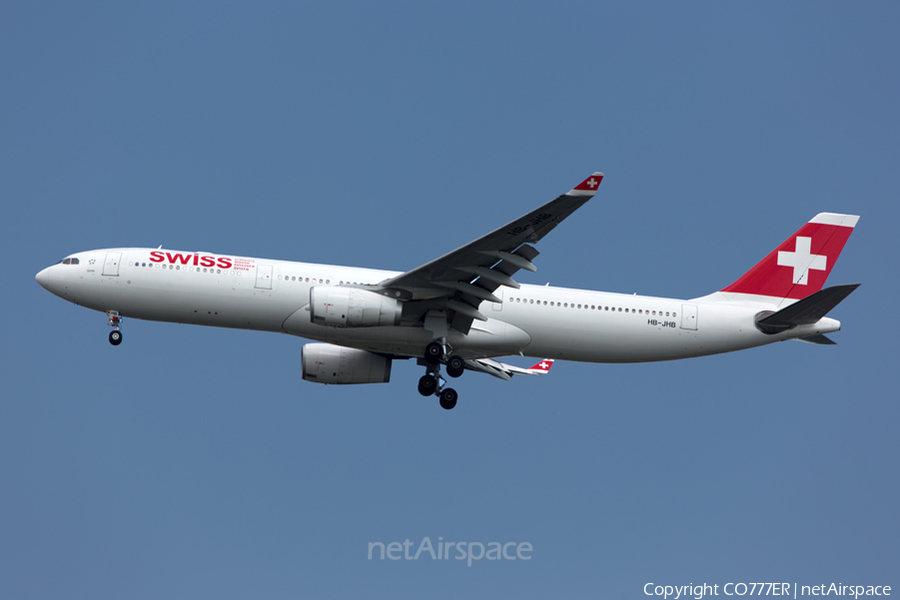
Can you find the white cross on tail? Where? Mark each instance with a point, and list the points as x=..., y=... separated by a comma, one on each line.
x=802, y=260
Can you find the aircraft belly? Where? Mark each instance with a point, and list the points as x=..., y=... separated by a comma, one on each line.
x=629, y=338
x=493, y=338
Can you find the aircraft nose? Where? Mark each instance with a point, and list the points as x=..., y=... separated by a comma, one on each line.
x=43, y=278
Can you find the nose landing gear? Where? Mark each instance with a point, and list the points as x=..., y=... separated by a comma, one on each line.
x=432, y=383
x=115, y=336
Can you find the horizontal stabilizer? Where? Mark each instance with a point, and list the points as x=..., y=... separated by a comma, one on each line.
x=818, y=339
x=806, y=311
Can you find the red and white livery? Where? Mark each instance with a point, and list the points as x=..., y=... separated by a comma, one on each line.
x=464, y=310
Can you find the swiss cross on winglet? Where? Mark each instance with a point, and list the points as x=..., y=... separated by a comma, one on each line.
x=588, y=187
x=542, y=368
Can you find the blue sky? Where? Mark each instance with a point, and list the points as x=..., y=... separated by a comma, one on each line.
x=195, y=462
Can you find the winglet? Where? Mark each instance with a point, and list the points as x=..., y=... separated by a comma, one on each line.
x=588, y=187
x=542, y=368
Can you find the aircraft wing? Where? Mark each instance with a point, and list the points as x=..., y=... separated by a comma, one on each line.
x=505, y=371
x=450, y=289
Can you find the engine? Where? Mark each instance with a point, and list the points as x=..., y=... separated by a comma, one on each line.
x=327, y=363
x=350, y=307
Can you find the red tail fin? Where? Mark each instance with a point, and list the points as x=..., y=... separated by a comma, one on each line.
x=800, y=265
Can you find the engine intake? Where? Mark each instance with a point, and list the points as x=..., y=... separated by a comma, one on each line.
x=327, y=363
x=351, y=307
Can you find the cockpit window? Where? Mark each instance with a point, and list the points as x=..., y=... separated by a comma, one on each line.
x=74, y=261
x=70, y=261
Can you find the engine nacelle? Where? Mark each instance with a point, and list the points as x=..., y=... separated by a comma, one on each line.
x=327, y=363
x=351, y=307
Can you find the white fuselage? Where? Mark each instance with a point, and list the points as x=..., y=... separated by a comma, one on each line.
x=538, y=321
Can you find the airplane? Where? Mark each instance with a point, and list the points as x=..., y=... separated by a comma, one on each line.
x=463, y=310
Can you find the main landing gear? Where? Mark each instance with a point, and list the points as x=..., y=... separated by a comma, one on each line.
x=115, y=336
x=432, y=383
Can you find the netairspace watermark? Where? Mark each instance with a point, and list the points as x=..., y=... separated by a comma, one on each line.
x=468, y=551
x=764, y=589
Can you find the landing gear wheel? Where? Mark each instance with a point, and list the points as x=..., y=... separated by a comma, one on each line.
x=449, y=398
x=115, y=337
x=455, y=366
x=427, y=385
x=433, y=353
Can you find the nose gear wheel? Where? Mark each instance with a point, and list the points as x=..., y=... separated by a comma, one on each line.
x=115, y=336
